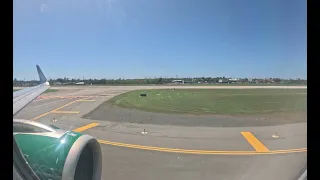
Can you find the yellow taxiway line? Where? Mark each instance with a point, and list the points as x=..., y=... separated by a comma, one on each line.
x=44, y=98
x=57, y=109
x=254, y=142
x=208, y=152
x=83, y=128
x=259, y=148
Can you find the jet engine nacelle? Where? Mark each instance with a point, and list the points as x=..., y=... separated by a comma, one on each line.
x=58, y=154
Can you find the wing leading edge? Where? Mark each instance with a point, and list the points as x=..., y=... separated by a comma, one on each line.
x=23, y=97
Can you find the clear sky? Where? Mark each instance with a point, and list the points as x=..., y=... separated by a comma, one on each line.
x=147, y=38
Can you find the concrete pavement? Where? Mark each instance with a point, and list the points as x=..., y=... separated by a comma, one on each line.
x=138, y=162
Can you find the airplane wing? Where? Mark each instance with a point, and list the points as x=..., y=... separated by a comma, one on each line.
x=23, y=97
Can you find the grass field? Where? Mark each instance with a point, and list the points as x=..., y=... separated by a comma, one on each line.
x=214, y=101
x=47, y=91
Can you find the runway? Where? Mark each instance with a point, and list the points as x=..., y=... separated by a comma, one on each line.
x=154, y=151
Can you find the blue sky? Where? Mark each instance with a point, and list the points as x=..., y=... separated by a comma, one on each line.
x=147, y=38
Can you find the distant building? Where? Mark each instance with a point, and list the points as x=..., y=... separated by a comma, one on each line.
x=57, y=83
x=187, y=82
x=178, y=81
x=232, y=80
x=223, y=81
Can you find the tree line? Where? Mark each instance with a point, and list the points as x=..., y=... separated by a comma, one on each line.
x=160, y=80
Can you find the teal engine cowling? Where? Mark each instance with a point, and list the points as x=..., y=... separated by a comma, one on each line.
x=61, y=155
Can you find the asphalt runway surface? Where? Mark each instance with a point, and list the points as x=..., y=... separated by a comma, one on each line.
x=135, y=150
